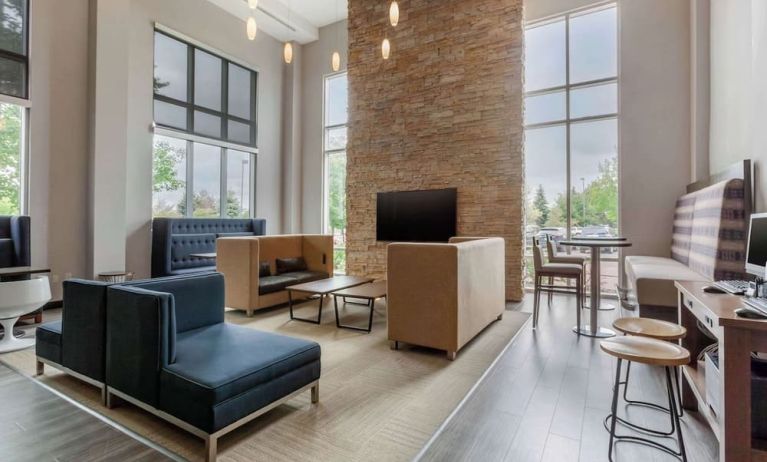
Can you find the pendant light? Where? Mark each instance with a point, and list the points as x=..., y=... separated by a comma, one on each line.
x=394, y=13
x=335, y=58
x=252, y=28
x=287, y=49
x=253, y=4
x=385, y=48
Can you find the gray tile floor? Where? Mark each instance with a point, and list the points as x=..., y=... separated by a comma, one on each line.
x=546, y=399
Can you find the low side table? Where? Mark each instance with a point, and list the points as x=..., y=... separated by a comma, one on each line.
x=369, y=292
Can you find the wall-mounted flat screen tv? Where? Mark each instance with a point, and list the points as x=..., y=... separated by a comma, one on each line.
x=416, y=216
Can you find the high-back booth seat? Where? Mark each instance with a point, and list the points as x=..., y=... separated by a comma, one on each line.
x=174, y=240
x=14, y=241
x=708, y=243
x=258, y=269
x=442, y=295
x=163, y=343
x=169, y=348
x=77, y=343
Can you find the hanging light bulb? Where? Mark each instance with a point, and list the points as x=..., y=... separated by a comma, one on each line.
x=253, y=4
x=287, y=52
x=335, y=61
x=385, y=48
x=252, y=28
x=394, y=13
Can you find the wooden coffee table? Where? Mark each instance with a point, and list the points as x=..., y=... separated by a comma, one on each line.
x=369, y=292
x=322, y=288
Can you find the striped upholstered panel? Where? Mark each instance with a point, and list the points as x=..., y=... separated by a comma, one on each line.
x=717, y=247
x=680, y=239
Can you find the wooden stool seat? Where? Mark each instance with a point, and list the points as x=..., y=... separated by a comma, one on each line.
x=646, y=351
x=653, y=328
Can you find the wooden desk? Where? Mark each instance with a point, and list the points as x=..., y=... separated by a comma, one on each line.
x=737, y=338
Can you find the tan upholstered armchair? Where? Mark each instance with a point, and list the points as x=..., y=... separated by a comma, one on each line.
x=239, y=259
x=442, y=295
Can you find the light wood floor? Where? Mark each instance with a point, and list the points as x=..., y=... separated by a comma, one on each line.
x=546, y=398
x=38, y=425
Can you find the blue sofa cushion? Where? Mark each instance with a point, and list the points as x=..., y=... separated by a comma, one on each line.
x=6, y=253
x=218, y=362
x=272, y=284
x=48, y=341
x=245, y=234
x=192, y=271
x=225, y=362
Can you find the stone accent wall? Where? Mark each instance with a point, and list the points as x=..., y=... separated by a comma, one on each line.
x=444, y=111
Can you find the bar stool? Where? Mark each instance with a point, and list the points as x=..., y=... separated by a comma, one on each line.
x=555, y=270
x=556, y=257
x=657, y=329
x=652, y=352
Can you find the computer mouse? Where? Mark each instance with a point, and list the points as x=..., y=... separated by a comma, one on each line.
x=749, y=313
x=713, y=290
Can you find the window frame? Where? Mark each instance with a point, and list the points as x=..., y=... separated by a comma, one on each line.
x=569, y=87
x=23, y=59
x=326, y=153
x=190, y=106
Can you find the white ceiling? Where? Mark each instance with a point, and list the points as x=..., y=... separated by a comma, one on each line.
x=297, y=20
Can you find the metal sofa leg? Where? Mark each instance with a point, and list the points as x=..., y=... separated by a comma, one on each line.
x=500, y=316
x=211, y=448
x=111, y=401
x=316, y=394
x=394, y=345
x=40, y=368
x=451, y=355
x=249, y=313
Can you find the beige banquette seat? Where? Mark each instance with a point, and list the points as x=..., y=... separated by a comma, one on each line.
x=442, y=295
x=242, y=260
x=708, y=243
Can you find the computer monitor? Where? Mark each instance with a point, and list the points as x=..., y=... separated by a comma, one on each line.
x=756, y=254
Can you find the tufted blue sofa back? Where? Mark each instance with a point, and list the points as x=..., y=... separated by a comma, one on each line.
x=14, y=241
x=175, y=240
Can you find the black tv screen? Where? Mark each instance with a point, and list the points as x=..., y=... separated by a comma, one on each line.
x=416, y=216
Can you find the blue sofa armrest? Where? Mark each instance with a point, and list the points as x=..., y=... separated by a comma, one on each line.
x=84, y=321
x=259, y=227
x=141, y=339
x=20, y=233
x=161, y=247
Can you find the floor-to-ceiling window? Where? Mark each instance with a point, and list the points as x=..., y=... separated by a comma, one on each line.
x=14, y=103
x=571, y=130
x=334, y=148
x=205, y=136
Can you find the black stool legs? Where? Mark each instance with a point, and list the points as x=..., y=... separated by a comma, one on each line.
x=673, y=411
x=658, y=407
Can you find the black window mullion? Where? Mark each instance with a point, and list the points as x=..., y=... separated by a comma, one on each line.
x=224, y=99
x=190, y=88
x=23, y=59
x=222, y=184
x=253, y=112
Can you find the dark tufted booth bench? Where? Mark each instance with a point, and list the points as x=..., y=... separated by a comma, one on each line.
x=174, y=240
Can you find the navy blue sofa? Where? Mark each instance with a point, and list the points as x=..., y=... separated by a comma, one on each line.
x=175, y=239
x=170, y=352
x=14, y=241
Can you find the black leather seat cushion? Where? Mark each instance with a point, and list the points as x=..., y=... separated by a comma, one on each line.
x=272, y=284
x=305, y=276
x=224, y=371
x=48, y=341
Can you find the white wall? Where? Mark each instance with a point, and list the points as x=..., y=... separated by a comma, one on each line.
x=654, y=105
x=58, y=137
x=316, y=65
x=738, y=94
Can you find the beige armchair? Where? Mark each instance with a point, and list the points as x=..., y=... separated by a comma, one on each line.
x=238, y=258
x=442, y=295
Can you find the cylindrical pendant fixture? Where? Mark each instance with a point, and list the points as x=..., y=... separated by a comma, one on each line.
x=252, y=28
x=253, y=4
x=335, y=61
x=287, y=52
x=394, y=13
x=385, y=48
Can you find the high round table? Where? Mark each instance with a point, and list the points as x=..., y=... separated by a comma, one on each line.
x=593, y=329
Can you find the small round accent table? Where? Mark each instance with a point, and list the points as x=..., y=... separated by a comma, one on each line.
x=18, y=298
x=593, y=329
x=115, y=276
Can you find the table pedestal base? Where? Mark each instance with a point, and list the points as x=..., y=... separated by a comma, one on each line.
x=602, y=307
x=601, y=332
x=9, y=342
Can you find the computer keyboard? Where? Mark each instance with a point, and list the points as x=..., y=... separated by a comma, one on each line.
x=758, y=303
x=737, y=287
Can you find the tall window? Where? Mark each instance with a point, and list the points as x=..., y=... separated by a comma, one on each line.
x=205, y=136
x=335, y=119
x=14, y=93
x=571, y=129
